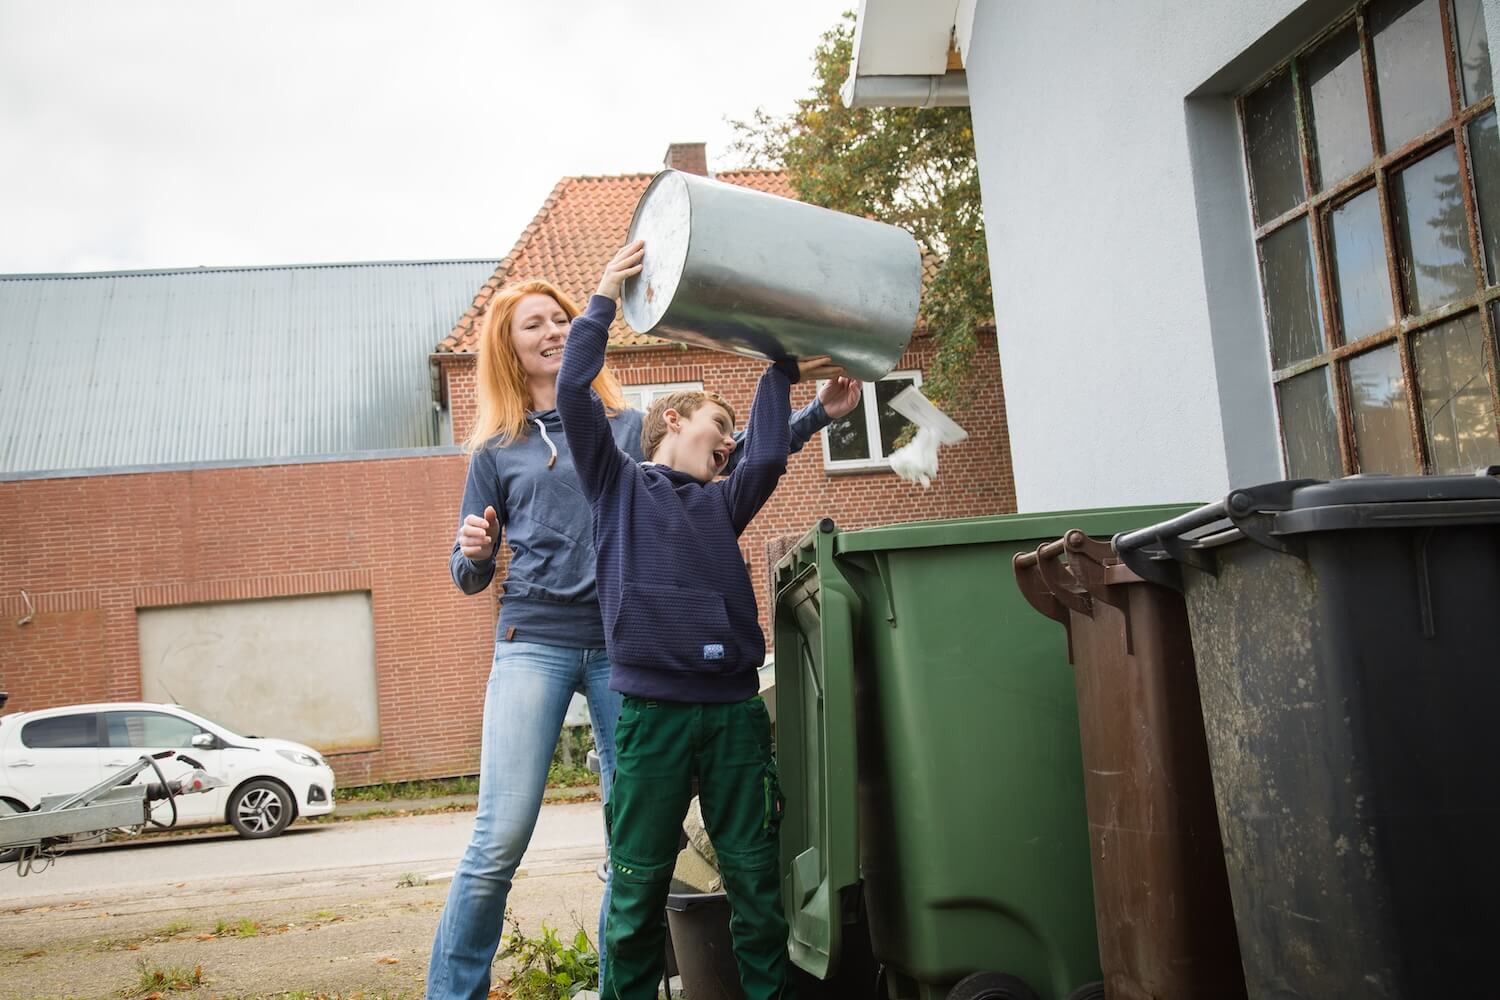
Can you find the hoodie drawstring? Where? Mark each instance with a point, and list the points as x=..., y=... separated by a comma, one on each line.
x=550, y=446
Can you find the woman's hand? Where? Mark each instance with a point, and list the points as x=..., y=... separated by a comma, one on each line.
x=625, y=262
x=819, y=366
x=840, y=395
x=479, y=536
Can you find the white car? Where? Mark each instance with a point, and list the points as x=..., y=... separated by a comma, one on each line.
x=60, y=751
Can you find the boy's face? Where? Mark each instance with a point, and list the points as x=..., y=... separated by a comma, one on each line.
x=704, y=442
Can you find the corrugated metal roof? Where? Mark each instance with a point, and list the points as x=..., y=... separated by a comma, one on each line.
x=112, y=369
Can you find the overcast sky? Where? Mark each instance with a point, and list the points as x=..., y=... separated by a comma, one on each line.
x=169, y=133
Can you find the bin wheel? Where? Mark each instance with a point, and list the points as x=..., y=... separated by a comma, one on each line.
x=1093, y=991
x=992, y=986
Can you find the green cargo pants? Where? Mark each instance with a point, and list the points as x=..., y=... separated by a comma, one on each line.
x=659, y=747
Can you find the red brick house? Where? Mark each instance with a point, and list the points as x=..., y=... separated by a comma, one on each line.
x=840, y=475
x=206, y=497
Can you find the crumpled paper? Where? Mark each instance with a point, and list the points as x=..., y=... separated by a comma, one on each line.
x=917, y=460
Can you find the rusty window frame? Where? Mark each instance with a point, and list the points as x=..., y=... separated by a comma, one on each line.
x=1317, y=206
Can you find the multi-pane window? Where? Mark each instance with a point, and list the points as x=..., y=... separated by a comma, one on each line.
x=1374, y=163
x=866, y=437
x=641, y=397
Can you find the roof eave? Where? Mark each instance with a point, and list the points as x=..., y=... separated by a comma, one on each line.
x=906, y=54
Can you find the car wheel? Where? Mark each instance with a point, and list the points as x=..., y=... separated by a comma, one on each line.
x=261, y=808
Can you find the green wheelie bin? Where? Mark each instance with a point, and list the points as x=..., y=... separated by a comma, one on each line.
x=927, y=738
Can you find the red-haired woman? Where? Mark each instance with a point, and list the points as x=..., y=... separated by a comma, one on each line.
x=549, y=640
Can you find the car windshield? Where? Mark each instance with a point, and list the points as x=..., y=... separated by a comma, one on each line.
x=211, y=725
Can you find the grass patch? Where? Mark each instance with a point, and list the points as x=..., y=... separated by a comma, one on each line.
x=244, y=927
x=411, y=880
x=173, y=929
x=568, y=770
x=395, y=791
x=155, y=978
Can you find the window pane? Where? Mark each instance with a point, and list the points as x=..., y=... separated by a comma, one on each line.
x=1473, y=49
x=63, y=731
x=1432, y=238
x=1361, y=280
x=1411, y=72
x=891, y=422
x=1484, y=160
x=149, y=729
x=1271, y=140
x=1291, y=295
x=1382, y=433
x=1340, y=122
x=1453, y=380
x=1311, y=438
x=848, y=439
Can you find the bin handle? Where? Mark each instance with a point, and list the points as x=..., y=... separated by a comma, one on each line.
x=1158, y=552
x=1155, y=553
x=1063, y=584
x=1035, y=589
x=1099, y=571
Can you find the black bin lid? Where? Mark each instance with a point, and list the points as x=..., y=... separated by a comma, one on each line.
x=1396, y=489
x=1370, y=501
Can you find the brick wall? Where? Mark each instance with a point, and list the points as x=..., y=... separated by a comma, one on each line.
x=91, y=550
x=974, y=478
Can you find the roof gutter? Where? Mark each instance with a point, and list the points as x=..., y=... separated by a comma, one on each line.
x=945, y=90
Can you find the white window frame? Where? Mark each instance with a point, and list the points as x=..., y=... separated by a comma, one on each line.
x=651, y=390
x=872, y=428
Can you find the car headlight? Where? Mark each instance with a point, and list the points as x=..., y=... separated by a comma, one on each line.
x=302, y=757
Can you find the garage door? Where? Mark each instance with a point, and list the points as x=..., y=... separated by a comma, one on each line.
x=298, y=668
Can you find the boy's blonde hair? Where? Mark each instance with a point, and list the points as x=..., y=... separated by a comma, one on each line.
x=685, y=402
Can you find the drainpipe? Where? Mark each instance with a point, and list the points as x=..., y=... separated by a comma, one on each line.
x=946, y=90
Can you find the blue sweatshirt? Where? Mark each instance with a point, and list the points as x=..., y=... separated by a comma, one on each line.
x=549, y=593
x=680, y=618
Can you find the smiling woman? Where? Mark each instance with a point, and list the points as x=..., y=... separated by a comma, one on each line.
x=549, y=637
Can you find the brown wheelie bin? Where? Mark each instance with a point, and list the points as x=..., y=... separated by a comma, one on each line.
x=1161, y=895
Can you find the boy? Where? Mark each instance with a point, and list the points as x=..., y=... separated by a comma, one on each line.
x=684, y=644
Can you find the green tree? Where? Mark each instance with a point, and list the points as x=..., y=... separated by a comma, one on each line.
x=912, y=167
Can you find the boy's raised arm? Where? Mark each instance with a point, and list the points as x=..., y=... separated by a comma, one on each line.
x=764, y=461
x=595, y=456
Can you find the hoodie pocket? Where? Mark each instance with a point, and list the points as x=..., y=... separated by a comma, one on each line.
x=673, y=628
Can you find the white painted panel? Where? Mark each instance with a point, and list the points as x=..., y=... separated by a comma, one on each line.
x=1106, y=305
x=297, y=668
x=963, y=27
x=904, y=37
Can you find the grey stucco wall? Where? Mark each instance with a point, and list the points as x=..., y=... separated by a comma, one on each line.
x=1127, y=300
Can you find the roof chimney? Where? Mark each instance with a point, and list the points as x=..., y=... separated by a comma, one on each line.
x=689, y=157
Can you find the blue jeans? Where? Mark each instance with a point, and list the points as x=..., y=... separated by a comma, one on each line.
x=528, y=693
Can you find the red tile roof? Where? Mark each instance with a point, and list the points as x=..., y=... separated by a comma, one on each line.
x=582, y=222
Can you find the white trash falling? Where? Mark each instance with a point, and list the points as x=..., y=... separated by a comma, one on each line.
x=917, y=460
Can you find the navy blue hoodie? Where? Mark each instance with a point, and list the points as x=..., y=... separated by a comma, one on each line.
x=549, y=593
x=680, y=618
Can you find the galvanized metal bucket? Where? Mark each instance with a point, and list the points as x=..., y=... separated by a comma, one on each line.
x=738, y=270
